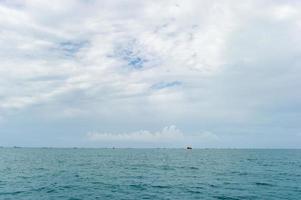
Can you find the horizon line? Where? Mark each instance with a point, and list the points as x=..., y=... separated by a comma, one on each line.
x=185, y=148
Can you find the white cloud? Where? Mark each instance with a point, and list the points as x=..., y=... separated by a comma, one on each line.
x=172, y=43
x=170, y=136
x=220, y=64
x=284, y=12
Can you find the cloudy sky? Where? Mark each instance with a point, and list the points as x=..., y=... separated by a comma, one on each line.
x=150, y=73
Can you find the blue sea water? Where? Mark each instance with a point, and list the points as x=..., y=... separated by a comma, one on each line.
x=37, y=173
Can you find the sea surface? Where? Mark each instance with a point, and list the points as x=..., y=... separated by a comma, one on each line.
x=49, y=173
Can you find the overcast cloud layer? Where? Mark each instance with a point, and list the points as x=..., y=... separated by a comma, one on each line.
x=115, y=73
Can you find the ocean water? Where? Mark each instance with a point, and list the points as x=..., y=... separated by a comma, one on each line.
x=33, y=173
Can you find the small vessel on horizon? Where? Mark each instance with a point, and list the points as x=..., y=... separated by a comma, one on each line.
x=189, y=147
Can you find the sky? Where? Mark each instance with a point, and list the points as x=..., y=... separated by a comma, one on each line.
x=151, y=73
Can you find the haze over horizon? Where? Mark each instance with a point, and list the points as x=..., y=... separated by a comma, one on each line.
x=222, y=74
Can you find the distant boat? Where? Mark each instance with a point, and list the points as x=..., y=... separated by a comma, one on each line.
x=189, y=148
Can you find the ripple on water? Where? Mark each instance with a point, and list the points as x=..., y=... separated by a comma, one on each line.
x=264, y=184
x=223, y=197
x=12, y=193
x=162, y=186
x=149, y=174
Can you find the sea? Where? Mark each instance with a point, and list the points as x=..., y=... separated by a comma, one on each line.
x=79, y=173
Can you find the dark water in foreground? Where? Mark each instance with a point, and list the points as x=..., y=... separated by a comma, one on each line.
x=149, y=174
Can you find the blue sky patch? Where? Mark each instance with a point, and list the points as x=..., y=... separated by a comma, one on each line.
x=130, y=55
x=70, y=48
x=162, y=85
